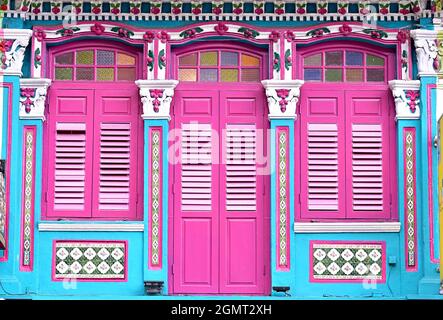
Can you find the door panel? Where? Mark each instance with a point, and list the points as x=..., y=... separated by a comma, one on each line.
x=241, y=189
x=195, y=204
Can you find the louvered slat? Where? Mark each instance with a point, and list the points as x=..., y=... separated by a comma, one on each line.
x=240, y=167
x=70, y=166
x=367, y=181
x=115, y=155
x=323, y=167
x=196, y=167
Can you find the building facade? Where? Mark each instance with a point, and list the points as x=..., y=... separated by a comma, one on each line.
x=227, y=148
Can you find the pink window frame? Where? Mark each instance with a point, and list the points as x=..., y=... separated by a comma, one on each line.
x=257, y=52
x=96, y=85
x=390, y=64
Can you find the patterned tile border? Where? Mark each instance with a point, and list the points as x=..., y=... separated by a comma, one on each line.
x=283, y=253
x=410, y=199
x=155, y=198
x=90, y=260
x=27, y=231
x=342, y=261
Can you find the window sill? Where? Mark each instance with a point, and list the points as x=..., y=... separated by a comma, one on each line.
x=69, y=226
x=344, y=227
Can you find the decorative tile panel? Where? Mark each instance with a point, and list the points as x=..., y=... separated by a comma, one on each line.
x=410, y=199
x=27, y=232
x=2, y=211
x=347, y=261
x=155, y=201
x=90, y=260
x=282, y=198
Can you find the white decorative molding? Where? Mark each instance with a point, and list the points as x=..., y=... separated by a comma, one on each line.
x=14, y=42
x=407, y=98
x=282, y=98
x=156, y=96
x=344, y=227
x=426, y=49
x=117, y=227
x=33, y=98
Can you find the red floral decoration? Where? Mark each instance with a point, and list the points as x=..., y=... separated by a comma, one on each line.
x=163, y=36
x=274, y=36
x=39, y=34
x=221, y=28
x=97, y=28
x=149, y=36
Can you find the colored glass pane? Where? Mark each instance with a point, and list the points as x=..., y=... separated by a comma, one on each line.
x=354, y=58
x=125, y=60
x=229, y=75
x=65, y=58
x=208, y=75
x=105, y=58
x=105, y=74
x=249, y=61
x=334, y=58
x=187, y=74
x=229, y=59
x=314, y=60
x=354, y=75
x=84, y=74
x=312, y=74
x=375, y=75
x=208, y=58
x=126, y=74
x=63, y=73
x=334, y=75
x=372, y=60
x=188, y=60
x=85, y=57
x=250, y=75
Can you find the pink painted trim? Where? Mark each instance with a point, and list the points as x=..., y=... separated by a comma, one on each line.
x=54, y=242
x=156, y=59
x=287, y=266
x=311, y=260
x=8, y=86
x=160, y=209
x=23, y=267
x=412, y=131
x=282, y=58
x=430, y=144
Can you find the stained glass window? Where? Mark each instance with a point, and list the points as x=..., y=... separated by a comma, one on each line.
x=95, y=65
x=344, y=66
x=219, y=66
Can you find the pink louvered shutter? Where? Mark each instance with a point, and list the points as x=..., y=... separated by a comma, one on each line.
x=322, y=155
x=115, y=186
x=367, y=156
x=70, y=154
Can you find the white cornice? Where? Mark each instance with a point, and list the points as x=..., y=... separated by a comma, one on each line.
x=126, y=227
x=345, y=227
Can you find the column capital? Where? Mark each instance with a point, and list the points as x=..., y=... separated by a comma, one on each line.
x=156, y=96
x=426, y=48
x=407, y=98
x=282, y=98
x=33, y=98
x=14, y=43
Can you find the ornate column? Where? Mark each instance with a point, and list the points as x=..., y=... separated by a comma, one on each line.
x=282, y=96
x=426, y=161
x=156, y=97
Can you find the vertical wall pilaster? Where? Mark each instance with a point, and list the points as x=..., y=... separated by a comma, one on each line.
x=156, y=96
x=282, y=102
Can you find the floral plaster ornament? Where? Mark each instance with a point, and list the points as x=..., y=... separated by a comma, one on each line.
x=279, y=7
x=96, y=7
x=322, y=7
x=135, y=6
x=176, y=7
x=345, y=29
x=36, y=6
x=217, y=7
x=115, y=7
x=342, y=7
x=248, y=33
x=56, y=7
x=97, y=28
x=274, y=36
x=402, y=36
x=404, y=7
x=39, y=34
x=289, y=36
x=155, y=7
x=221, y=28
x=196, y=7
x=190, y=33
x=149, y=36
x=25, y=6
x=237, y=7
x=259, y=7
x=77, y=6
x=384, y=7
x=364, y=7
x=163, y=36
x=301, y=6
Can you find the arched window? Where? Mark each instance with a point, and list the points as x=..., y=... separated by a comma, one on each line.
x=346, y=135
x=219, y=65
x=93, y=145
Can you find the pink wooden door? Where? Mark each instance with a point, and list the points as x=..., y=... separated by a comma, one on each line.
x=219, y=236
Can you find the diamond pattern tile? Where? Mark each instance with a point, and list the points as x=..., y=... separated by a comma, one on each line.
x=90, y=260
x=347, y=261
